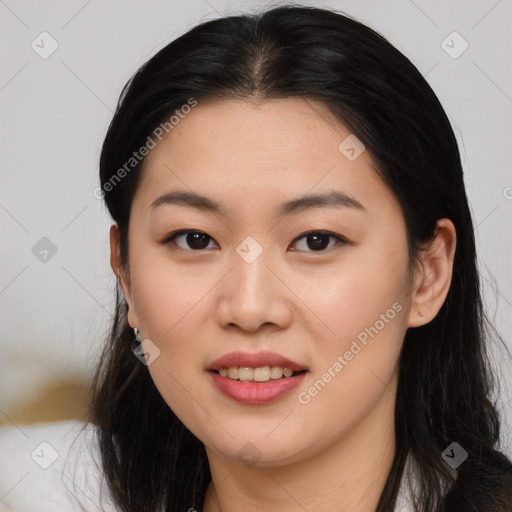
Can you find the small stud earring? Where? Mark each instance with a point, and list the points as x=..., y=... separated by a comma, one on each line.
x=137, y=335
x=420, y=313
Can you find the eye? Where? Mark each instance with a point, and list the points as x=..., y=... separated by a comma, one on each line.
x=319, y=240
x=196, y=240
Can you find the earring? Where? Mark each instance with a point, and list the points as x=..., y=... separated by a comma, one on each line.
x=420, y=313
x=137, y=335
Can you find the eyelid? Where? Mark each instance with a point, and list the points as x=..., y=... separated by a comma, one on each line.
x=341, y=240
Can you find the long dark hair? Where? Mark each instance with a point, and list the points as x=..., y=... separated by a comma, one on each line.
x=150, y=460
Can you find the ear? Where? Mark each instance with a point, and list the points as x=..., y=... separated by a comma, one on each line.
x=433, y=280
x=119, y=271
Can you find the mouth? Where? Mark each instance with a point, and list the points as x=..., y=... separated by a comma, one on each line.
x=258, y=378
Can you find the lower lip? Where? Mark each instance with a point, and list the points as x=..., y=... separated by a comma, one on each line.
x=256, y=392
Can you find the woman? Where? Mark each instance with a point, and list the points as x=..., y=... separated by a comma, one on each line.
x=251, y=367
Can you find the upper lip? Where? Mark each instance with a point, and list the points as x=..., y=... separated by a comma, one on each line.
x=256, y=360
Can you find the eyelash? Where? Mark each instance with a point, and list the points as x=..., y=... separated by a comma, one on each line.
x=175, y=234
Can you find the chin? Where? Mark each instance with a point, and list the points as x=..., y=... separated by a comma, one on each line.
x=254, y=448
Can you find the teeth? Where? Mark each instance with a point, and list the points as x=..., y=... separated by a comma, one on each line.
x=232, y=373
x=287, y=372
x=276, y=372
x=261, y=374
x=245, y=374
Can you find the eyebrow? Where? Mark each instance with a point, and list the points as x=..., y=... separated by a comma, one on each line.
x=332, y=198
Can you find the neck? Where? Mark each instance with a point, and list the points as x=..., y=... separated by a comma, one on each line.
x=348, y=476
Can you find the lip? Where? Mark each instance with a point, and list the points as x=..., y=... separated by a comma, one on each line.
x=255, y=393
x=257, y=360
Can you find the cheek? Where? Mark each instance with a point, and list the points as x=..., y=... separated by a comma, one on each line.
x=171, y=310
x=363, y=305
x=170, y=306
x=354, y=374
x=355, y=294
x=167, y=295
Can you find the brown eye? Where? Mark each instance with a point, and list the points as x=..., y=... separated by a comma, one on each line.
x=195, y=240
x=318, y=241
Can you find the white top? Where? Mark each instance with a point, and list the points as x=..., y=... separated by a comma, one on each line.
x=43, y=468
x=55, y=467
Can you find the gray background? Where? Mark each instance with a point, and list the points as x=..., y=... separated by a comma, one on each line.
x=55, y=112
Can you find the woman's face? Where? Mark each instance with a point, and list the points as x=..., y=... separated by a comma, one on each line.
x=252, y=281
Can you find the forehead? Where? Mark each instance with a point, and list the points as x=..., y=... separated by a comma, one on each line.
x=257, y=152
x=279, y=129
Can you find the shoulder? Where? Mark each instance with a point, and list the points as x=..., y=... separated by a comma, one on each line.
x=51, y=466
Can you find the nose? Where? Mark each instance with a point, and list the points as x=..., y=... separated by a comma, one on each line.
x=254, y=295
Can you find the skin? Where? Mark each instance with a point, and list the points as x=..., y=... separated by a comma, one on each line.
x=333, y=453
